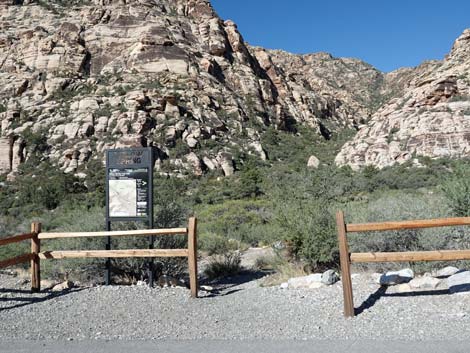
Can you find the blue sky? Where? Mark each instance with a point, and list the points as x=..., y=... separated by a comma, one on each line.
x=385, y=33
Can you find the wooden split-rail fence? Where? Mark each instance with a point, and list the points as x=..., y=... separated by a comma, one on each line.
x=347, y=258
x=37, y=237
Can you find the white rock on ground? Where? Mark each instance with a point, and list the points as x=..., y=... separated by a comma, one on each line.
x=403, y=288
x=460, y=282
x=62, y=286
x=304, y=281
x=315, y=280
x=329, y=277
x=447, y=271
x=397, y=277
x=424, y=283
x=313, y=162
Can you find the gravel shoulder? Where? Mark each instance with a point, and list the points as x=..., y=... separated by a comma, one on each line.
x=239, y=309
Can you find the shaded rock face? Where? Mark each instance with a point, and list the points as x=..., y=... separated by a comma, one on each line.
x=169, y=74
x=431, y=118
x=341, y=90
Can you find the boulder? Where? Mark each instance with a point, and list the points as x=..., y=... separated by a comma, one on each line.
x=206, y=288
x=424, y=283
x=329, y=277
x=62, y=286
x=5, y=161
x=172, y=110
x=305, y=281
x=210, y=164
x=460, y=282
x=313, y=162
x=224, y=159
x=191, y=141
x=396, y=277
x=195, y=163
x=446, y=272
x=88, y=105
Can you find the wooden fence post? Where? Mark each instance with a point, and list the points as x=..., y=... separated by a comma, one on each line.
x=192, y=256
x=35, y=261
x=345, y=265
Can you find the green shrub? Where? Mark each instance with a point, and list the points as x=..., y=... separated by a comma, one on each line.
x=229, y=216
x=310, y=228
x=228, y=264
x=257, y=234
x=457, y=191
x=404, y=205
x=215, y=244
x=37, y=188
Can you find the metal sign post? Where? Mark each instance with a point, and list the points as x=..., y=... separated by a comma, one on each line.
x=129, y=193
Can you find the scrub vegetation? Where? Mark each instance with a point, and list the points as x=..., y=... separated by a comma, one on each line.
x=279, y=202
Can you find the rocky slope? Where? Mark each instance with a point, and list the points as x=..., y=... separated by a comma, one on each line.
x=431, y=118
x=79, y=77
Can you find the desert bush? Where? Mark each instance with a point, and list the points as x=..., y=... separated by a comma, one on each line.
x=310, y=228
x=457, y=191
x=401, y=205
x=216, y=244
x=226, y=265
x=283, y=270
x=38, y=188
x=258, y=234
x=229, y=216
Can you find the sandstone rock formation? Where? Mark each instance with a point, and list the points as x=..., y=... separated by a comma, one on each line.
x=431, y=118
x=80, y=77
x=104, y=74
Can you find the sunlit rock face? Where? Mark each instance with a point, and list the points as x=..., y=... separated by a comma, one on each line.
x=76, y=80
x=431, y=118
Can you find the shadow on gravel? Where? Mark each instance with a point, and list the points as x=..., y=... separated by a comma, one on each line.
x=223, y=286
x=382, y=292
x=31, y=298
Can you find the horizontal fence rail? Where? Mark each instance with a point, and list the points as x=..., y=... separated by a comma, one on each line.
x=71, y=254
x=35, y=256
x=347, y=258
x=20, y=258
x=400, y=225
x=125, y=233
x=411, y=256
x=15, y=239
x=16, y=260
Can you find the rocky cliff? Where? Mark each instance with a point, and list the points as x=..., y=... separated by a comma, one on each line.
x=79, y=77
x=431, y=118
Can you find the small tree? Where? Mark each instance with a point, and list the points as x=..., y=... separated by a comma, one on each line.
x=457, y=191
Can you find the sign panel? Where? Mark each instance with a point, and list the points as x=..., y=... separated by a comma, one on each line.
x=129, y=183
x=128, y=192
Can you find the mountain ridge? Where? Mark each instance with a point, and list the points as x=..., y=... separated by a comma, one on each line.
x=77, y=79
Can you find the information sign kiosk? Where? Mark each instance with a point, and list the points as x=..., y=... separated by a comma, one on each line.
x=129, y=192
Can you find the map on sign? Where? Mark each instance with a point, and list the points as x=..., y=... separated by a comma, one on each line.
x=122, y=198
x=128, y=192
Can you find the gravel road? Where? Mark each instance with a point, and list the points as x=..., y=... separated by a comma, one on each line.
x=240, y=309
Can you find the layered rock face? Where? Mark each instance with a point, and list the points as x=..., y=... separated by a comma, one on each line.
x=431, y=118
x=80, y=77
x=171, y=74
x=344, y=89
